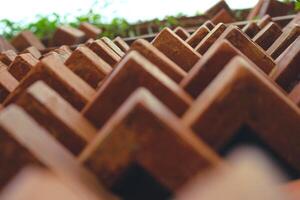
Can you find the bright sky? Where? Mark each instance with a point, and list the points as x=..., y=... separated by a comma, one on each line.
x=132, y=10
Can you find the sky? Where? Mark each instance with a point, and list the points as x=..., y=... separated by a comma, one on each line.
x=132, y=10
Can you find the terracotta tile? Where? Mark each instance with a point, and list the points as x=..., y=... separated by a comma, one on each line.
x=113, y=46
x=7, y=83
x=223, y=16
x=90, y=30
x=268, y=35
x=33, y=51
x=181, y=32
x=251, y=29
x=104, y=52
x=66, y=35
x=7, y=57
x=159, y=59
x=21, y=65
x=121, y=44
x=88, y=66
x=132, y=72
x=283, y=41
x=139, y=137
x=176, y=49
x=53, y=72
x=198, y=36
x=24, y=142
x=210, y=38
x=56, y=115
x=27, y=39
x=239, y=96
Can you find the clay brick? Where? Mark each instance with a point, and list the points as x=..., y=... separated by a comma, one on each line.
x=104, y=52
x=140, y=136
x=113, y=46
x=5, y=45
x=176, y=49
x=210, y=38
x=181, y=32
x=215, y=9
x=66, y=35
x=254, y=52
x=159, y=59
x=295, y=21
x=22, y=64
x=33, y=51
x=198, y=36
x=121, y=44
x=7, y=83
x=87, y=65
x=53, y=72
x=210, y=65
x=284, y=40
x=132, y=72
x=295, y=94
x=287, y=73
x=64, y=52
x=24, y=142
x=223, y=16
x=209, y=24
x=251, y=29
x=273, y=8
x=90, y=30
x=242, y=96
x=57, y=116
x=264, y=21
x=7, y=57
x=268, y=35
x=27, y=39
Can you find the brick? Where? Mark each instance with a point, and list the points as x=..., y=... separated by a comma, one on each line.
x=66, y=35
x=7, y=57
x=90, y=30
x=181, y=32
x=210, y=38
x=166, y=65
x=123, y=81
x=283, y=41
x=176, y=49
x=198, y=36
x=215, y=9
x=113, y=46
x=21, y=65
x=294, y=22
x=53, y=72
x=33, y=51
x=211, y=64
x=223, y=16
x=251, y=29
x=287, y=73
x=242, y=96
x=254, y=52
x=294, y=94
x=27, y=39
x=104, y=52
x=57, y=116
x=209, y=24
x=5, y=45
x=139, y=137
x=88, y=66
x=121, y=44
x=24, y=142
x=266, y=19
x=7, y=83
x=268, y=35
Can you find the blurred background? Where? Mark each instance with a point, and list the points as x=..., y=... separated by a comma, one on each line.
x=125, y=18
